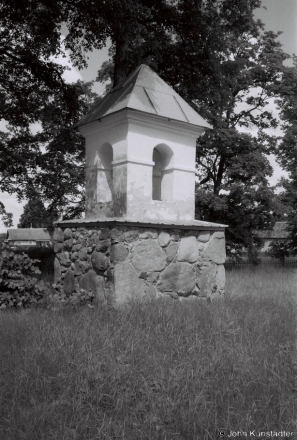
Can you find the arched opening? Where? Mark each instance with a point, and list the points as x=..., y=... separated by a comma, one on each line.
x=104, y=160
x=162, y=173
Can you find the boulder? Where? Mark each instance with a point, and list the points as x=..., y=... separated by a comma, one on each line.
x=104, y=234
x=131, y=236
x=67, y=234
x=148, y=256
x=116, y=235
x=80, y=267
x=149, y=233
x=58, y=235
x=94, y=283
x=220, y=279
x=118, y=252
x=207, y=280
x=68, y=244
x=188, y=250
x=127, y=283
x=83, y=254
x=58, y=247
x=99, y=261
x=57, y=271
x=64, y=259
x=102, y=245
x=177, y=277
x=163, y=239
x=171, y=251
x=69, y=282
x=204, y=236
x=215, y=249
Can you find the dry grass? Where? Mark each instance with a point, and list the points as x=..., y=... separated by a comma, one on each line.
x=159, y=370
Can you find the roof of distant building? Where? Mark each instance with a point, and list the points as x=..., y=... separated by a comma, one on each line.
x=144, y=91
x=25, y=234
x=279, y=231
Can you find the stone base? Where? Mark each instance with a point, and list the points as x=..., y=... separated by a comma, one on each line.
x=122, y=262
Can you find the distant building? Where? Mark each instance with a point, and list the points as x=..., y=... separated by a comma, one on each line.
x=279, y=232
x=27, y=237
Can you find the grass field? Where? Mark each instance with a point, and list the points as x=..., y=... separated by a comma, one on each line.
x=161, y=370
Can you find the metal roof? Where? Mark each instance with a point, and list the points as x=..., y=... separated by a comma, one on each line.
x=279, y=231
x=145, y=91
x=195, y=224
x=24, y=234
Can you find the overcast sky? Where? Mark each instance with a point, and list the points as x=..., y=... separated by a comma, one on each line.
x=280, y=15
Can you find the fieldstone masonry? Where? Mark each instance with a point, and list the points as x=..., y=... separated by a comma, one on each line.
x=125, y=262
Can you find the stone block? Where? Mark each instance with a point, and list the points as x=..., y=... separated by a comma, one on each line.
x=94, y=283
x=76, y=247
x=69, y=282
x=67, y=234
x=74, y=256
x=148, y=256
x=188, y=250
x=80, y=267
x=99, y=261
x=164, y=239
x=57, y=269
x=177, y=277
x=83, y=254
x=58, y=235
x=104, y=234
x=58, y=247
x=201, y=246
x=64, y=259
x=128, y=285
x=204, y=236
x=152, y=277
x=118, y=252
x=171, y=251
x=151, y=291
x=116, y=235
x=149, y=233
x=68, y=244
x=207, y=280
x=131, y=236
x=102, y=245
x=220, y=279
x=215, y=249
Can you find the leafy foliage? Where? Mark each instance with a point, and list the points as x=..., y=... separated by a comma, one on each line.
x=287, y=149
x=212, y=52
x=18, y=286
x=279, y=249
x=36, y=215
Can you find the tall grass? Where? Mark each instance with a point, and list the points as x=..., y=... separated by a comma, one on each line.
x=160, y=370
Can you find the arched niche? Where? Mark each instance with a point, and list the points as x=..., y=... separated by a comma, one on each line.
x=104, y=158
x=162, y=187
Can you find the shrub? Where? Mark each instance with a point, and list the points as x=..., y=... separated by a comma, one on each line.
x=279, y=250
x=18, y=287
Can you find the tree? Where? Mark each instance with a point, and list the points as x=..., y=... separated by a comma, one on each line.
x=287, y=148
x=212, y=52
x=29, y=80
x=35, y=215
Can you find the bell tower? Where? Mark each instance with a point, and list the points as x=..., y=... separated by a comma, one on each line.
x=140, y=152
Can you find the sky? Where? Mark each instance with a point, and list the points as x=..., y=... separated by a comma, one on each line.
x=279, y=15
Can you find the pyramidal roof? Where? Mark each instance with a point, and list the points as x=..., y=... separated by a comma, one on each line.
x=144, y=91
